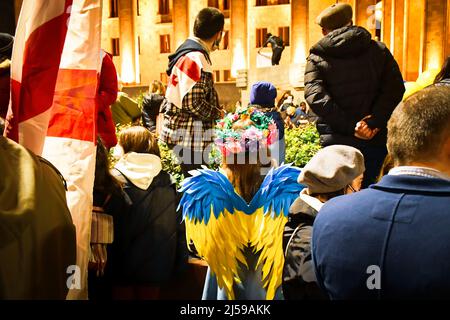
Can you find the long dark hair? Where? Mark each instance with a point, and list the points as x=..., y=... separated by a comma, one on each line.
x=283, y=97
x=104, y=182
x=445, y=71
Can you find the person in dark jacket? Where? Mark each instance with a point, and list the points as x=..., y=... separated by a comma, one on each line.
x=333, y=171
x=277, y=46
x=149, y=240
x=353, y=84
x=106, y=189
x=151, y=105
x=262, y=97
x=391, y=241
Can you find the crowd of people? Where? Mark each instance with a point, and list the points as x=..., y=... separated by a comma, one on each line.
x=364, y=219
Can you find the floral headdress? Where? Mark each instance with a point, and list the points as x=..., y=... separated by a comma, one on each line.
x=257, y=131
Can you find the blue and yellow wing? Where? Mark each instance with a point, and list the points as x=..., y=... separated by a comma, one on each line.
x=278, y=191
x=221, y=224
x=208, y=204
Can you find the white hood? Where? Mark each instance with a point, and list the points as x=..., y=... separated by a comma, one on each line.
x=140, y=168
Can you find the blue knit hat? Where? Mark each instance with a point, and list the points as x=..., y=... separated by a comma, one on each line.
x=263, y=94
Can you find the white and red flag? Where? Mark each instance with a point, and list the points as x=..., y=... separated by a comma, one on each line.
x=55, y=66
x=38, y=45
x=185, y=74
x=71, y=136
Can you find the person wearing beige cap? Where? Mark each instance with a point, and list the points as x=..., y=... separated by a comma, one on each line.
x=333, y=171
x=352, y=83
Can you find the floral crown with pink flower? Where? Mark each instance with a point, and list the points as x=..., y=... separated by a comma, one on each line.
x=256, y=130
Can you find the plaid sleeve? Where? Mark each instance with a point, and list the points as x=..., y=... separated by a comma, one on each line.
x=202, y=100
x=102, y=228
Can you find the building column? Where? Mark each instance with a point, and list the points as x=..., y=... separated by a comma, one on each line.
x=435, y=34
x=397, y=31
x=387, y=23
x=364, y=13
x=414, y=38
x=299, y=30
x=180, y=22
x=127, y=41
x=447, y=29
x=238, y=36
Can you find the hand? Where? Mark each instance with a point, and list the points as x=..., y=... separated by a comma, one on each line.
x=362, y=131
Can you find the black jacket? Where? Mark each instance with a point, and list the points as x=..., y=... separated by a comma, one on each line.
x=151, y=106
x=348, y=77
x=149, y=239
x=299, y=280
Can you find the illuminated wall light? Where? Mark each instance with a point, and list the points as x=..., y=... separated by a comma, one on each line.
x=300, y=52
x=238, y=59
x=434, y=59
x=128, y=72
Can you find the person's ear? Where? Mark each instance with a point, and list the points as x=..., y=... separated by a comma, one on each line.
x=324, y=31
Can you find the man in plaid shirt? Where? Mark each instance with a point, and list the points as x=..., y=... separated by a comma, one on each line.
x=192, y=105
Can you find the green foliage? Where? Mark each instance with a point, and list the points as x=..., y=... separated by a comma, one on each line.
x=170, y=163
x=302, y=144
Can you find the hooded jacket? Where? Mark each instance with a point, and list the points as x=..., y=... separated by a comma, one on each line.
x=188, y=46
x=349, y=76
x=149, y=240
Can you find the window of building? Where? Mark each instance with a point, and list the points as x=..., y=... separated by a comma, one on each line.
x=138, y=10
x=163, y=78
x=139, y=44
x=260, y=36
x=222, y=5
x=270, y=2
x=113, y=9
x=213, y=3
x=227, y=77
x=225, y=43
x=163, y=7
x=164, y=42
x=216, y=75
x=164, y=13
x=283, y=33
x=115, y=47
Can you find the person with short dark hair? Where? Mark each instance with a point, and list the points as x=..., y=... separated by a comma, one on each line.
x=391, y=240
x=192, y=104
x=353, y=84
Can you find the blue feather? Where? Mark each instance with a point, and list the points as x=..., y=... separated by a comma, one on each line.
x=207, y=187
